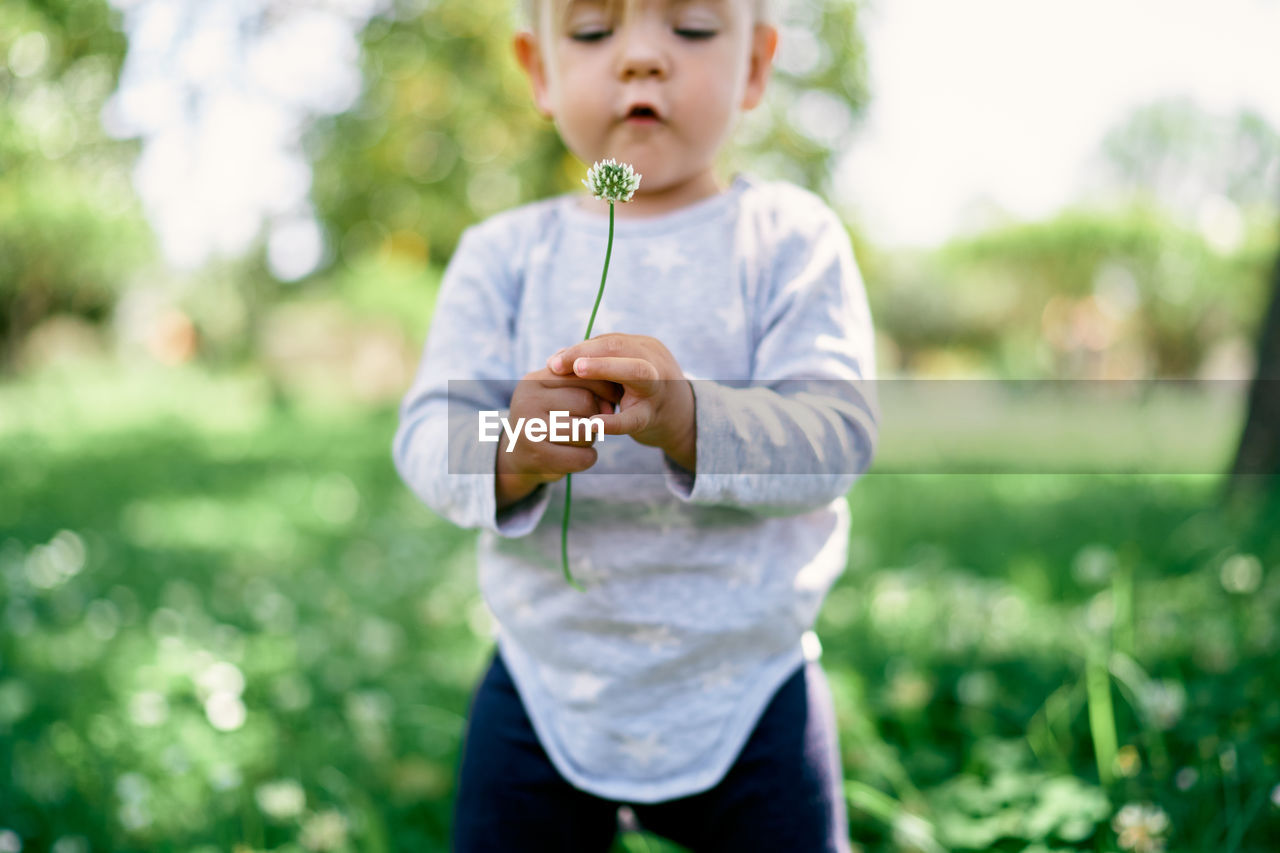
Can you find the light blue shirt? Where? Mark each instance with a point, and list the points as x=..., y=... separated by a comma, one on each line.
x=701, y=586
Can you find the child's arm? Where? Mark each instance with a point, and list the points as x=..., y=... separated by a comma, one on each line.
x=812, y=413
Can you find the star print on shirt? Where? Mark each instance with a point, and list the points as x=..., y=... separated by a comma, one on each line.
x=518, y=602
x=482, y=351
x=523, y=612
x=722, y=676
x=539, y=254
x=750, y=576
x=585, y=687
x=664, y=256
x=665, y=515
x=657, y=638
x=644, y=750
x=586, y=571
x=607, y=320
x=729, y=316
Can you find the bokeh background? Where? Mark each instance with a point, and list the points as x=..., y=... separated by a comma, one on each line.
x=225, y=624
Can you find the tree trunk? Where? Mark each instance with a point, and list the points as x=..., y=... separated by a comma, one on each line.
x=1257, y=463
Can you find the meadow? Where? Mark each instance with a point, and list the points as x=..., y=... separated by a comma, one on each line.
x=226, y=625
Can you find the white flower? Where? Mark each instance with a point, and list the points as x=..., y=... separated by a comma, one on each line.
x=612, y=181
x=1164, y=702
x=282, y=799
x=325, y=831
x=1140, y=827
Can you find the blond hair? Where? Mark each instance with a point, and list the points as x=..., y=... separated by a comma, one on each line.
x=760, y=12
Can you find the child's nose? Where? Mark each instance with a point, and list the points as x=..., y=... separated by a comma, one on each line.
x=641, y=53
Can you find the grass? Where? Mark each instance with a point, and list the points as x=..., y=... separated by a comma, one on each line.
x=226, y=622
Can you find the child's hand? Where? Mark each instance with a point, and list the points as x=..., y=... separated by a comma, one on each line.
x=657, y=406
x=531, y=463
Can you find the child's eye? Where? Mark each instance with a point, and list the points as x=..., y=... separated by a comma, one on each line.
x=597, y=35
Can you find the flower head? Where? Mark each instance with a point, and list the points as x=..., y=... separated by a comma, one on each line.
x=325, y=831
x=612, y=181
x=1141, y=828
x=282, y=799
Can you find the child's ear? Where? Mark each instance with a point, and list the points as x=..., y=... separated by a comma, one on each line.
x=529, y=55
x=764, y=44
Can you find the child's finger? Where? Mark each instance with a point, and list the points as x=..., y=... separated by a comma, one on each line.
x=636, y=373
x=626, y=421
x=601, y=388
x=608, y=344
x=556, y=364
x=580, y=405
x=557, y=459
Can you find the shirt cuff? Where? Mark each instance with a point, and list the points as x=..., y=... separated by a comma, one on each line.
x=480, y=501
x=711, y=416
x=520, y=518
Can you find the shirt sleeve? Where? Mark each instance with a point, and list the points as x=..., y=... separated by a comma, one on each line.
x=797, y=436
x=467, y=367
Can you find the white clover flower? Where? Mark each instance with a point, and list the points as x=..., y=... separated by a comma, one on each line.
x=1164, y=701
x=324, y=831
x=609, y=181
x=282, y=799
x=612, y=181
x=1141, y=828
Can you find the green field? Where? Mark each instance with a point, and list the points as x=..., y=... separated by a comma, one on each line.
x=224, y=622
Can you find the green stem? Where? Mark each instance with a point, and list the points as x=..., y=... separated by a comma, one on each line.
x=564, y=535
x=599, y=293
x=568, y=478
x=1102, y=719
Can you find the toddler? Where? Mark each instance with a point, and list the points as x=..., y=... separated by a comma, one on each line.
x=728, y=366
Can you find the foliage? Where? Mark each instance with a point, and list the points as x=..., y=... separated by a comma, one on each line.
x=1088, y=292
x=1002, y=798
x=1160, y=272
x=1176, y=152
x=270, y=643
x=70, y=231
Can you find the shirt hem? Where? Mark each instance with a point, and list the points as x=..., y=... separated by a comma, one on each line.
x=733, y=737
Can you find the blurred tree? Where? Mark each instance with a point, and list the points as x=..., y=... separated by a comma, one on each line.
x=1090, y=293
x=70, y=230
x=446, y=133
x=1259, y=450
x=1220, y=171
x=1184, y=156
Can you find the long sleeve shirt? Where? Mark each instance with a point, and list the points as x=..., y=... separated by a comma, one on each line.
x=700, y=585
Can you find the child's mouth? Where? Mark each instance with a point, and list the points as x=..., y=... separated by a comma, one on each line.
x=643, y=115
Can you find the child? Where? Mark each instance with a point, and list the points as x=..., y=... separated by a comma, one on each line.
x=683, y=683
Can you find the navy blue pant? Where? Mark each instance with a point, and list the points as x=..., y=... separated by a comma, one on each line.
x=783, y=792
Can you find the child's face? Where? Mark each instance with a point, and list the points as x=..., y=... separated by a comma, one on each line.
x=595, y=61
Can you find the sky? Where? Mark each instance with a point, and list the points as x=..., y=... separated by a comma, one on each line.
x=994, y=101
x=1006, y=100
